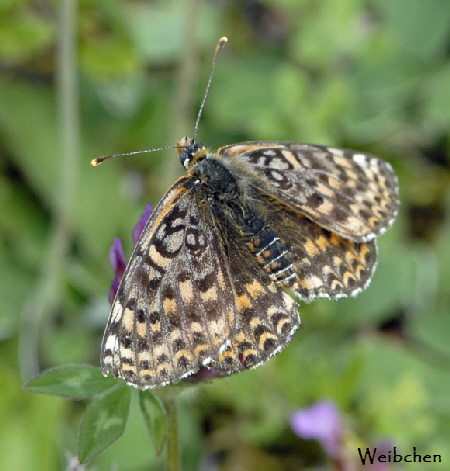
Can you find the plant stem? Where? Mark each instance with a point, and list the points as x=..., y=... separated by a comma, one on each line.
x=173, y=441
x=45, y=296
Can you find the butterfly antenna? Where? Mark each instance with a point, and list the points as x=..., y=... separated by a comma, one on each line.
x=219, y=47
x=99, y=160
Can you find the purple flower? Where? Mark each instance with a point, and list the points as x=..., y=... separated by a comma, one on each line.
x=204, y=373
x=322, y=422
x=118, y=262
x=116, y=256
x=139, y=227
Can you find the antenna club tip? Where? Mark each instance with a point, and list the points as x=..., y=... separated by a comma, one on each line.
x=222, y=41
x=96, y=162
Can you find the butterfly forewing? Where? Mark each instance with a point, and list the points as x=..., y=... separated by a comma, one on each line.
x=352, y=194
x=175, y=307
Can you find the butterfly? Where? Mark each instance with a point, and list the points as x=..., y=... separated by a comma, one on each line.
x=213, y=280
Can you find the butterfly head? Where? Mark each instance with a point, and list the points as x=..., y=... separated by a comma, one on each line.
x=190, y=152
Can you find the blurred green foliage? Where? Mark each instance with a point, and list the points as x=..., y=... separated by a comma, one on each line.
x=372, y=75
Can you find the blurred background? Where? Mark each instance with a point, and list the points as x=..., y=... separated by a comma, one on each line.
x=83, y=79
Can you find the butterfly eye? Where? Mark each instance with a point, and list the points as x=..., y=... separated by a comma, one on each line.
x=185, y=156
x=191, y=154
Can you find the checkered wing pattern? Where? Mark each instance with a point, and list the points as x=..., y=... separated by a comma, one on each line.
x=326, y=264
x=352, y=194
x=186, y=301
x=266, y=316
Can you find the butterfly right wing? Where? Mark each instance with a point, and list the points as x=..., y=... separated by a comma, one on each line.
x=327, y=265
x=352, y=194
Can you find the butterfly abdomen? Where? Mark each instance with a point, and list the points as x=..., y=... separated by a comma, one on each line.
x=270, y=251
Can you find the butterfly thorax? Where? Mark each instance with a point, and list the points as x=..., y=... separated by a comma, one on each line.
x=216, y=180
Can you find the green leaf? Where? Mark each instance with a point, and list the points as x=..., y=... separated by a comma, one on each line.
x=103, y=423
x=71, y=381
x=155, y=418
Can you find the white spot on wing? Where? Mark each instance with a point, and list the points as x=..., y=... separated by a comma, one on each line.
x=224, y=346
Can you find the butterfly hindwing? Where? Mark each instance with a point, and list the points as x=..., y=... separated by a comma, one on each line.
x=327, y=265
x=266, y=316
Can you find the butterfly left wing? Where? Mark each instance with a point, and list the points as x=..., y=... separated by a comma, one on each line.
x=174, y=309
x=192, y=296
x=352, y=194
